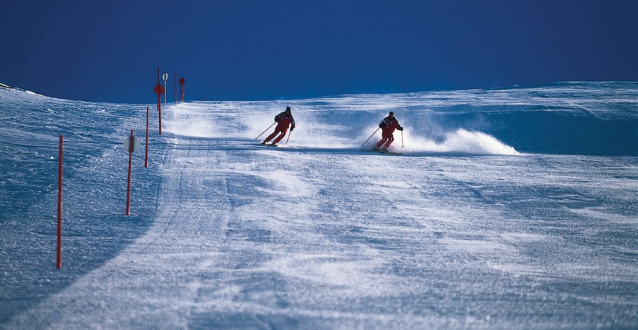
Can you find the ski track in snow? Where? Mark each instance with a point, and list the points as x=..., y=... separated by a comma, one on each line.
x=318, y=235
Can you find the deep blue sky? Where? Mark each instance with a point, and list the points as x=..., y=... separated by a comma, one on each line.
x=268, y=49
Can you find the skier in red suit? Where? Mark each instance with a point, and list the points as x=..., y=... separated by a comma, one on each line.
x=388, y=125
x=284, y=119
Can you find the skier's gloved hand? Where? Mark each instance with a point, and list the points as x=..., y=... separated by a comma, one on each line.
x=400, y=128
x=380, y=125
x=292, y=128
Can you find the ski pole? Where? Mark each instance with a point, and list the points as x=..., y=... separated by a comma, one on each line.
x=288, y=137
x=375, y=132
x=402, y=139
x=262, y=133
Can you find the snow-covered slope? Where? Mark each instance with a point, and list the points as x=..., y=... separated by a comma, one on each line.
x=510, y=208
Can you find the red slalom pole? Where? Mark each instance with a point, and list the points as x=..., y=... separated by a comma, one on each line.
x=59, y=250
x=146, y=157
x=159, y=102
x=181, y=83
x=128, y=187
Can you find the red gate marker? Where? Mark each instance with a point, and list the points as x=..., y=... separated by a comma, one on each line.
x=159, y=90
x=59, y=250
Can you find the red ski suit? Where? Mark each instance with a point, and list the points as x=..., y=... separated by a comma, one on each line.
x=388, y=125
x=284, y=119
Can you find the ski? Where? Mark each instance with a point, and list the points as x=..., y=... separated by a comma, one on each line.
x=385, y=152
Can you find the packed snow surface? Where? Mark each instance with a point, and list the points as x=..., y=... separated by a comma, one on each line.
x=509, y=209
